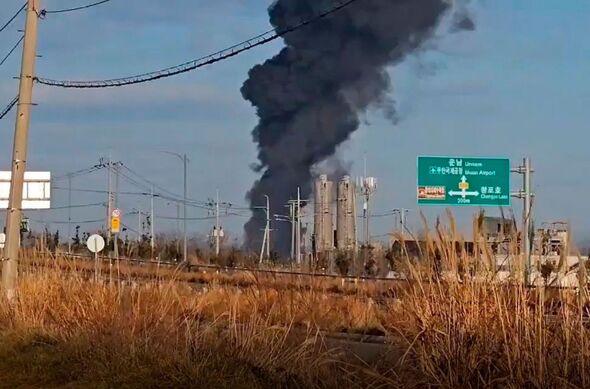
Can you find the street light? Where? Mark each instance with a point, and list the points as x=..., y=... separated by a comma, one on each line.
x=185, y=161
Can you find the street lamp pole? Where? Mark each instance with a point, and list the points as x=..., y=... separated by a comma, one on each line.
x=185, y=161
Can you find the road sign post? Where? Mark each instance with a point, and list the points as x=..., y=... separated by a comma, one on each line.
x=527, y=195
x=95, y=244
x=463, y=181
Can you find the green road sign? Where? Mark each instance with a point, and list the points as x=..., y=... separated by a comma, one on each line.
x=463, y=181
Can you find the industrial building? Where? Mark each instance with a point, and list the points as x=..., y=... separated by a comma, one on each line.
x=346, y=215
x=323, y=215
x=344, y=236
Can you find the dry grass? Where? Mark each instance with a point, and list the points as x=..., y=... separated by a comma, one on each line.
x=82, y=334
x=245, y=331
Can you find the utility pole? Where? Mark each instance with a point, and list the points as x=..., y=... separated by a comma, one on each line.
x=109, y=202
x=526, y=195
x=267, y=226
x=152, y=222
x=527, y=216
x=19, y=152
x=298, y=230
x=69, y=213
x=185, y=161
x=139, y=228
x=266, y=238
x=402, y=219
x=185, y=242
x=217, y=227
x=178, y=229
x=116, y=206
x=292, y=220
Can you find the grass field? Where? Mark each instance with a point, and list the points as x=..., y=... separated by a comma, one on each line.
x=243, y=331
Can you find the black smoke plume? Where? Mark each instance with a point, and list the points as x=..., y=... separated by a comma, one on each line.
x=309, y=96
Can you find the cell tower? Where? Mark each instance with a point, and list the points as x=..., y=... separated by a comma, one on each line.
x=368, y=187
x=323, y=215
x=346, y=215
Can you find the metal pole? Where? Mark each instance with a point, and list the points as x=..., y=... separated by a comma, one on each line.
x=185, y=243
x=367, y=236
x=292, y=218
x=217, y=235
x=109, y=202
x=267, y=226
x=19, y=152
x=262, y=247
x=152, y=222
x=138, y=228
x=69, y=213
x=527, y=218
x=177, y=231
x=298, y=230
x=116, y=206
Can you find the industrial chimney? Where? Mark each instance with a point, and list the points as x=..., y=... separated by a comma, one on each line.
x=345, y=216
x=323, y=217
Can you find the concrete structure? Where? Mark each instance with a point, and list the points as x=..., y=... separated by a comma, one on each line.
x=498, y=233
x=552, y=239
x=324, y=215
x=345, y=215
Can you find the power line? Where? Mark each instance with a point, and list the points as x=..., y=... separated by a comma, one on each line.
x=13, y=17
x=103, y=191
x=82, y=172
x=188, y=218
x=57, y=11
x=66, y=222
x=172, y=197
x=221, y=55
x=167, y=195
x=69, y=207
x=162, y=189
x=146, y=194
x=8, y=107
x=12, y=50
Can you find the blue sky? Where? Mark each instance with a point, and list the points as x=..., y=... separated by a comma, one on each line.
x=516, y=86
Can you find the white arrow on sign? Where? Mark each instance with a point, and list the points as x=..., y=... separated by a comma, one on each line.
x=463, y=193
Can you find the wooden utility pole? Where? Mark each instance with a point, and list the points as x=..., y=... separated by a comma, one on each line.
x=217, y=226
x=19, y=152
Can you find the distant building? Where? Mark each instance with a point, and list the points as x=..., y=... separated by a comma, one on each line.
x=552, y=238
x=498, y=232
x=323, y=215
x=346, y=215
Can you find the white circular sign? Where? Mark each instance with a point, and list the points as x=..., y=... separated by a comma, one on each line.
x=95, y=243
x=116, y=213
x=2, y=240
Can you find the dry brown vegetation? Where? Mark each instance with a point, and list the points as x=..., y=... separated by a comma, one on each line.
x=240, y=330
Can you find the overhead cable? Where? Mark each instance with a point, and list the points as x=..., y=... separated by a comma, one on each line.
x=12, y=50
x=57, y=11
x=221, y=55
x=13, y=17
x=66, y=207
x=67, y=222
x=8, y=107
x=82, y=172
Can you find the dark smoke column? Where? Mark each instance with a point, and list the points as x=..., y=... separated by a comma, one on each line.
x=308, y=96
